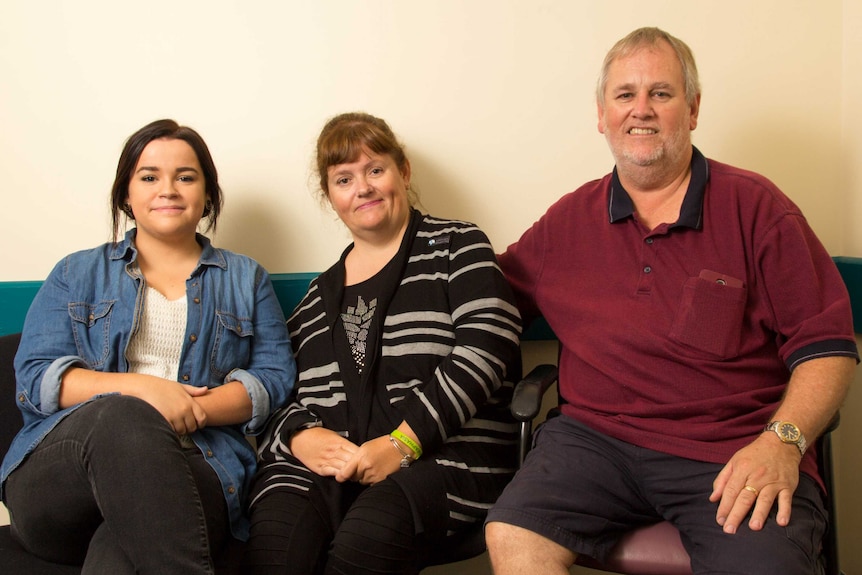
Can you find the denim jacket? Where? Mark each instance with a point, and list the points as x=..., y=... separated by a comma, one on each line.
x=90, y=305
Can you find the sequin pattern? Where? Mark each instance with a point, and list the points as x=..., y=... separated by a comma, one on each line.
x=357, y=321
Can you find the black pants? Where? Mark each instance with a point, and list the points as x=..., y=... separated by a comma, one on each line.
x=296, y=535
x=112, y=488
x=336, y=528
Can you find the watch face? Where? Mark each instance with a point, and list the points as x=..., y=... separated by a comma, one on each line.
x=788, y=432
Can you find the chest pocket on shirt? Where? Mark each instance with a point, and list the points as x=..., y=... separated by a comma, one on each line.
x=232, y=348
x=91, y=327
x=710, y=315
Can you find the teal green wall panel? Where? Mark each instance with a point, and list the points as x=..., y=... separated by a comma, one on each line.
x=851, y=271
x=289, y=288
x=15, y=298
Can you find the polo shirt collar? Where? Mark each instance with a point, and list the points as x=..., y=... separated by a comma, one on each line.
x=620, y=204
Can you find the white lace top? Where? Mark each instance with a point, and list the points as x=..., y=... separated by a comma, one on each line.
x=156, y=347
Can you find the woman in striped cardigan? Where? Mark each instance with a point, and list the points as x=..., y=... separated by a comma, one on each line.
x=398, y=438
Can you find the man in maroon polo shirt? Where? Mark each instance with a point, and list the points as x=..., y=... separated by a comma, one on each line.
x=706, y=341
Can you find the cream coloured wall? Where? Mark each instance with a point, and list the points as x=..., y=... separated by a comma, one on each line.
x=494, y=99
x=851, y=121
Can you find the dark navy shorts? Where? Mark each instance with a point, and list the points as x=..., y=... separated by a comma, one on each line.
x=583, y=490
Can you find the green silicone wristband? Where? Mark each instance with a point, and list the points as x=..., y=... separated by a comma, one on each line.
x=414, y=447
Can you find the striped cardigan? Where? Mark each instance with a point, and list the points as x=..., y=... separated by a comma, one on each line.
x=448, y=352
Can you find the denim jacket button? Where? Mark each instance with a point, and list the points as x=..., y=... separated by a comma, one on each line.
x=209, y=453
x=193, y=338
x=231, y=490
x=197, y=300
x=186, y=377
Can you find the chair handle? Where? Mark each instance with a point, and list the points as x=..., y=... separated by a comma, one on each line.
x=528, y=393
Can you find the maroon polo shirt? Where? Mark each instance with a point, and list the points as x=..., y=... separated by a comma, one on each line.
x=681, y=339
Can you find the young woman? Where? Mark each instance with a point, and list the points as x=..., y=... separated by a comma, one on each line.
x=142, y=366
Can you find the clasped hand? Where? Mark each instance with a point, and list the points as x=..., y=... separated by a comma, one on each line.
x=176, y=402
x=326, y=453
x=755, y=477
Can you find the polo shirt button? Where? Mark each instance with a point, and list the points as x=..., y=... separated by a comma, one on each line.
x=647, y=269
x=649, y=240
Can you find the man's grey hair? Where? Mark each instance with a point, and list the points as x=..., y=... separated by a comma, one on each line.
x=643, y=37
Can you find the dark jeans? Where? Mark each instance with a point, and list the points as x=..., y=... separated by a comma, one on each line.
x=112, y=488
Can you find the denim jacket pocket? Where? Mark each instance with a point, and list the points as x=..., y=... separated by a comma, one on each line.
x=710, y=316
x=91, y=327
x=232, y=347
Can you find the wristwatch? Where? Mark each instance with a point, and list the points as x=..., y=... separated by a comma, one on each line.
x=788, y=433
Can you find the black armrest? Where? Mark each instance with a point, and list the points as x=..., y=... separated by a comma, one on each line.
x=827, y=474
x=833, y=425
x=11, y=421
x=527, y=397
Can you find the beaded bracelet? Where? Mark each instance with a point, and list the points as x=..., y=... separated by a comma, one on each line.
x=414, y=447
